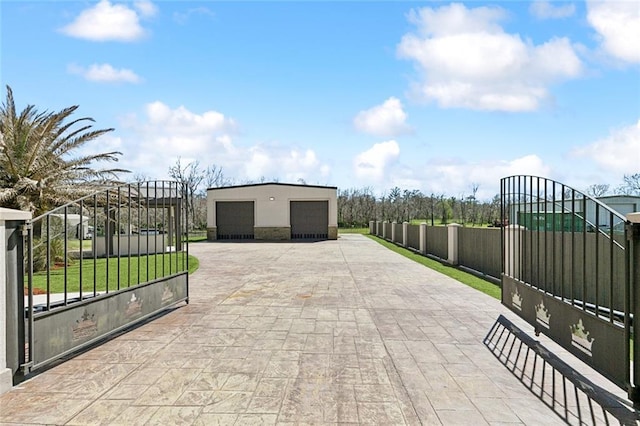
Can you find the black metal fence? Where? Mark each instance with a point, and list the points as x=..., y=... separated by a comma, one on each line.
x=568, y=271
x=99, y=264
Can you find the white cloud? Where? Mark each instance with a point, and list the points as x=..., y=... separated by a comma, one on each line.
x=466, y=60
x=617, y=153
x=146, y=8
x=386, y=120
x=182, y=17
x=618, y=26
x=165, y=133
x=543, y=9
x=181, y=121
x=455, y=177
x=285, y=164
x=110, y=22
x=105, y=73
x=372, y=163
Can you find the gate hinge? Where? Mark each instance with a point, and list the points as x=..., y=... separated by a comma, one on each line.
x=25, y=228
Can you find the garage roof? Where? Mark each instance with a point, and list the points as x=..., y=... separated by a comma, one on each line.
x=272, y=183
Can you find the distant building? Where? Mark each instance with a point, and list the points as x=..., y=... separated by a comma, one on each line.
x=623, y=204
x=272, y=211
x=541, y=215
x=77, y=225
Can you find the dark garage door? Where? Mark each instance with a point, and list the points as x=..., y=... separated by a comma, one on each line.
x=309, y=219
x=234, y=220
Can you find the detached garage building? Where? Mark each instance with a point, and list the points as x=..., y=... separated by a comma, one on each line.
x=272, y=211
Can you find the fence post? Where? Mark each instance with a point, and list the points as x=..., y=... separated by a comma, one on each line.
x=405, y=230
x=372, y=225
x=378, y=232
x=452, y=246
x=634, y=244
x=11, y=293
x=513, y=250
x=423, y=238
x=393, y=231
x=384, y=229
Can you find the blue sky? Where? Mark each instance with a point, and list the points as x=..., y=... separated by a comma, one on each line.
x=435, y=96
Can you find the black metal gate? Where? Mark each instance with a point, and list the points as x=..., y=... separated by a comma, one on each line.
x=98, y=265
x=568, y=269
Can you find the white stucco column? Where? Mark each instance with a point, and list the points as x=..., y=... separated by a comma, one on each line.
x=634, y=245
x=372, y=227
x=423, y=238
x=6, y=215
x=405, y=230
x=384, y=229
x=452, y=239
x=513, y=250
x=393, y=231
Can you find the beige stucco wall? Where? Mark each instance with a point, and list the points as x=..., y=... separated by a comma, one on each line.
x=271, y=202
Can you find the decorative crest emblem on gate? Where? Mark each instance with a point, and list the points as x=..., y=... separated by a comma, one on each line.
x=134, y=306
x=516, y=300
x=167, y=294
x=542, y=315
x=85, y=327
x=580, y=338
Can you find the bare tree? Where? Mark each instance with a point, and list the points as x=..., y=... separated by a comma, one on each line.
x=474, y=202
x=462, y=208
x=140, y=177
x=190, y=176
x=597, y=190
x=631, y=185
x=214, y=177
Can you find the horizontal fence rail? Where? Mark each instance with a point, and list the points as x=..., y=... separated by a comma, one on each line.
x=101, y=263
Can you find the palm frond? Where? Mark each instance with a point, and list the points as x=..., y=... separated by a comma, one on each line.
x=37, y=169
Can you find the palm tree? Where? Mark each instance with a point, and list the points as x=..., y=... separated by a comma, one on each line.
x=38, y=168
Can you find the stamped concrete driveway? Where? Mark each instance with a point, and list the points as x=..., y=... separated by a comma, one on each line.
x=290, y=333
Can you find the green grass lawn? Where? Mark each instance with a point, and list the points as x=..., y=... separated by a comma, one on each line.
x=197, y=238
x=353, y=230
x=471, y=280
x=132, y=271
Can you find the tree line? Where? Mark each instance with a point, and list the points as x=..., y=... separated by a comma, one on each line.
x=356, y=207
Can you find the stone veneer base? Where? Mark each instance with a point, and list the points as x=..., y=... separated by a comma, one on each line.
x=272, y=233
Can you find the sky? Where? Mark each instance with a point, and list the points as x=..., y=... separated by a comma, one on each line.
x=435, y=96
